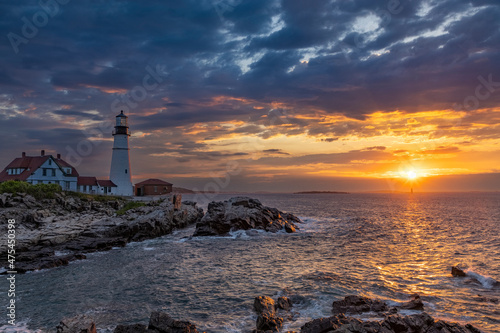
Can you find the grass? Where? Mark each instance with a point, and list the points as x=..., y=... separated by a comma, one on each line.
x=39, y=191
x=48, y=191
x=130, y=205
x=94, y=197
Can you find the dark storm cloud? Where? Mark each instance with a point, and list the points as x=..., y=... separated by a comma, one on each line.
x=307, y=56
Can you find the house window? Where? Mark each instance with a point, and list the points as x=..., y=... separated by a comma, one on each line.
x=156, y=189
x=53, y=172
x=50, y=162
x=44, y=172
x=56, y=182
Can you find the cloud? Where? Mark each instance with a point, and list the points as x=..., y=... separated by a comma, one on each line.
x=335, y=71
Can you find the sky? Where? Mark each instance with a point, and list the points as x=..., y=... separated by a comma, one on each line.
x=259, y=95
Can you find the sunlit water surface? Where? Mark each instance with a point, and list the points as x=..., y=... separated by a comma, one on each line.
x=377, y=245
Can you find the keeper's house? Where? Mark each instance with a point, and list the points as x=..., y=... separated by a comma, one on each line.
x=47, y=169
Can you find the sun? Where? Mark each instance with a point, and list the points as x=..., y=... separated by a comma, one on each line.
x=411, y=175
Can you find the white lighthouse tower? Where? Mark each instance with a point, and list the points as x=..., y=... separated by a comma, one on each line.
x=120, y=162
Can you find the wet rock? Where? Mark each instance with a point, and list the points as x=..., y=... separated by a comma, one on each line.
x=243, y=213
x=81, y=225
x=284, y=303
x=323, y=325
x=267, y=319
x=79, y=324
x=414, y=304
x=458, y=272
x=163, y=323
x=264, y=304
x=418, y=323
x=358, y=304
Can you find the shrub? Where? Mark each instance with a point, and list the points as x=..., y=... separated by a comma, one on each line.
x=44, y=191
x=14, y=186
x=39, y=191
x=130, y=205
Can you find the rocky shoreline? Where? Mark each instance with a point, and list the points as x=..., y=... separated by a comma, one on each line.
x=272, y=314
x=53, y=232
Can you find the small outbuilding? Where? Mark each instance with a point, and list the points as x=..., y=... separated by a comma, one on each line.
x=153, y=187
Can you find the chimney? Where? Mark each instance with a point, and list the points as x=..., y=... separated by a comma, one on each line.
x=23, y=154
x=58, y=156
x=42, y=153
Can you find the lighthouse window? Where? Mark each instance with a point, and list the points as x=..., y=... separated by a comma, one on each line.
x=126, y=171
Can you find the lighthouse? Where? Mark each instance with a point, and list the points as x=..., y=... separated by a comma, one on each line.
x=120, y=162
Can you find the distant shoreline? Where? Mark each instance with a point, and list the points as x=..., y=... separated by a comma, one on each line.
x=321, y=192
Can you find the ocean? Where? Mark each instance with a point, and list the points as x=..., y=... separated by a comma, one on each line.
x=388, y=246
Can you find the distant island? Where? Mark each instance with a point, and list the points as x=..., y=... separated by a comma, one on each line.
x=321, y=192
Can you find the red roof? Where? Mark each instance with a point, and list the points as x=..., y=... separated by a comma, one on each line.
x=30, y=163
x=89, y=181
x=106, y=183
x=64, y=164
x=153, y=182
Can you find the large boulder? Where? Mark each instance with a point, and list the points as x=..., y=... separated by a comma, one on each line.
x=417, y=323
x=163, y=323
x=243, y=213
x=358, y=304
x=78, y=324
x=267, y=320
x=415, y=303
x=56, y=231
x=457, y=271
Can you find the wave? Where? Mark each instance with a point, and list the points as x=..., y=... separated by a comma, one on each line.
x=486, y=281
x=20, y=327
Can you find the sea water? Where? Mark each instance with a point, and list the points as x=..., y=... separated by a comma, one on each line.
x=388, y=246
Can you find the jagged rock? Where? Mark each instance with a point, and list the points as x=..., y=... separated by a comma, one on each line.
x=414, y=304
x=358, y=304
x=243, y=213
x=177, y=199
x=266, y=310
x=79, y=324
x=456, y=271
x=4, y=199
x=163, y=323
x=284, y=303
x=79, y=225
x=267, y=322
x=418, y=323
x=322, y=325
x=264, y=304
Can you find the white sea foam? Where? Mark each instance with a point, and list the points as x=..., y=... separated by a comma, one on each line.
x=486, y=281
x=20, y=327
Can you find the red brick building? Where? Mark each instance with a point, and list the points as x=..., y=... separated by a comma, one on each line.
x=153, y=187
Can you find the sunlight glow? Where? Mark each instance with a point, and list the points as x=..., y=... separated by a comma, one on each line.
x=411, y=175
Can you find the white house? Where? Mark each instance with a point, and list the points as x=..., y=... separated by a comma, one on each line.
x=47, y=169
x=43, y=169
